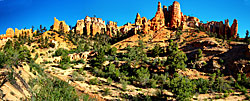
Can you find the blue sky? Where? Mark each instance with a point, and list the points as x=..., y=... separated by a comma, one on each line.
x=25, y=13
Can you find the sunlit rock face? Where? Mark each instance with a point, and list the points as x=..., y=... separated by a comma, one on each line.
x=90, y=26
x=159, y=20
x=60, y=26
x=112, y=28
x=9, y=32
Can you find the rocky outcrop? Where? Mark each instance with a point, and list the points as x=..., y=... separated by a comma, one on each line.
x=90, y=26
x=234, y=29
x=222, y=29
x=80, y=26
x=9, y=32
x=60, y=26
x=176, y=15
x=112, y=28
x=23, y=32
x=159, y=20
x=138, y=20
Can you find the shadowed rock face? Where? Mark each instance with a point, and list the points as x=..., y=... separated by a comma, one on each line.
x=234, y=29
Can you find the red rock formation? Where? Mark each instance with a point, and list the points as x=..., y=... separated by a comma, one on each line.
x=227, y=27
x=159, y=20
x=138, y=20
x=234, y=29
x=60, y=26
x=176, y=15
x=222, y=29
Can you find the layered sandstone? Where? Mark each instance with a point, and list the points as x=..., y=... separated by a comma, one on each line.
x=60, y=26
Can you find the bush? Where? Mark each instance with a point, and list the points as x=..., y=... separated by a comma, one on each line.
x=124, y=85
x=202, y=85
x=143, y=76
x=109, y=80
x=176, y=58
x=61, y=52
x=182, y=87
x=157, y=50
x=106, y=91
x=94, y=81
x=53, y=90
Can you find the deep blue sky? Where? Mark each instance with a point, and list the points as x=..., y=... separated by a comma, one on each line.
x=25, y=13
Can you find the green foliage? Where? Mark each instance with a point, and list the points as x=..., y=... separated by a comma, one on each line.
x=106, y=91
x=124, y=85
x=202, y=85
x=109, y=80
x=143, y=76
x=199, y=54
x=243, y=80
x=182, y=87
x=113, y=72
x=157, y=50
x=61, y=52
x=176, y=58
x=52, y=89
x=94, y=81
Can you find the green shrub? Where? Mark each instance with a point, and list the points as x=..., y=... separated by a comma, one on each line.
x=182, y=87
x=124, y=85
x=61, y=52
x=143, y=76
x=109, y=80
x=202, y=85
x=53, y=90
x=106, y=91
x=94, y=81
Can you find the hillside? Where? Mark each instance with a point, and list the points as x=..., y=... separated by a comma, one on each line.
x=169, y=57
